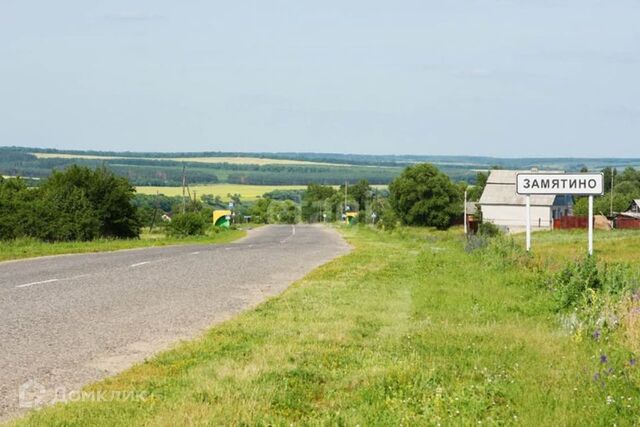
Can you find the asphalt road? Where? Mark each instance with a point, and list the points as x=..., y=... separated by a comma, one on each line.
x=69, y=320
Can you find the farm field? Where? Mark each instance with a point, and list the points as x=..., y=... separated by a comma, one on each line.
x=410, y=328
x=247, y=192
x=221, y=159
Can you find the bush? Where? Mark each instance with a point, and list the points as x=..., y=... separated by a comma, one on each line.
x=388, y=219
x=77, y=204
x=570, y=285
x=186, y=224
x=488, y=229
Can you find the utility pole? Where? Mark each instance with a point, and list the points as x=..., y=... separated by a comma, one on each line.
x=346, y=185
x=184, y=183
x=611, y=210
x=155, y=212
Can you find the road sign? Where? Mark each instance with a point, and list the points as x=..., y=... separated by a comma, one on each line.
x=577, y=184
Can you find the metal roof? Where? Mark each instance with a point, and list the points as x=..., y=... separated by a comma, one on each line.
x=501, y=190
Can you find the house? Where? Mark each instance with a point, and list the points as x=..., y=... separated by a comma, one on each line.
x=501, y=205
x=635, y=206
x=630, y=218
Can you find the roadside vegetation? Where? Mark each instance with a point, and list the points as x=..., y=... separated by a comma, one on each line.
x=29, y=248
x=414, y=327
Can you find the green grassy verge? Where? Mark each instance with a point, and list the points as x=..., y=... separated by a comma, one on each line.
x=29, y=248
x=409, y=329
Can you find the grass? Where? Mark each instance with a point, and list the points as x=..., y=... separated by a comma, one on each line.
x=28, y=248
x=247, y=192
x=231, y=160
x=408, y=329
x=555, y=248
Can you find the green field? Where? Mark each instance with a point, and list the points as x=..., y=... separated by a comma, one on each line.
x=408, y=329
x=247, y=192
x=29, y=248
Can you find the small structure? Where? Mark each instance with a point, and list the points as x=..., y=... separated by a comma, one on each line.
x=222, y=218
x=351, y=217
x=473, y=217
x=503, y=207
x=630, y=218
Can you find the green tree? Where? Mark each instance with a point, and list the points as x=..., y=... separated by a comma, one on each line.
x=361, y=192
x=259, y=211
x=474, y=192
x=314, y=202
x=422, y=195
x=283, y=212
x=110, y=196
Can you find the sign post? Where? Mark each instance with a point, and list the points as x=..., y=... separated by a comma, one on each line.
x=576, y=184
x=590, y=225
x=528, y=238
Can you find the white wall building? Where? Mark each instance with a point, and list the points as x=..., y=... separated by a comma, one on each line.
x=503, y=207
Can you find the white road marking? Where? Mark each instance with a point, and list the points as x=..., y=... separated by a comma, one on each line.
x=293, y=233
x=26, y=285
x=139, y=264
x=195, y=253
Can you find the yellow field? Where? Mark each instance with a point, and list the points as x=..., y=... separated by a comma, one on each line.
x=231, y=160
x=247, y=192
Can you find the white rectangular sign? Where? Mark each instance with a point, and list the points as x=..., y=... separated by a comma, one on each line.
x=560, y=183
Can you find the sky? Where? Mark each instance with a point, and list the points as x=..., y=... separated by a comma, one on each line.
x=501, y=78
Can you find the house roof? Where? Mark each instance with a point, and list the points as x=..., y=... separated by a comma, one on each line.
x=472, y=208
x=637, y=202
x=501, y=190
x=631, y=214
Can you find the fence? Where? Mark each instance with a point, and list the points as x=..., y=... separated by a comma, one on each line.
x=627, y=223
x=566, y=222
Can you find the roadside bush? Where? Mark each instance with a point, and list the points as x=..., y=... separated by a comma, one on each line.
x=186, y=224
x=388, y=219
x=600, y=299
x=77, y=204
x=475, y=242
x=570, y=285
x=488, y=229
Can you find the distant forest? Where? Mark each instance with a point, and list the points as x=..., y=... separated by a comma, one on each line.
x=165, y=169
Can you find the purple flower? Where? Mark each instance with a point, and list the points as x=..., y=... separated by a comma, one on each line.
x=596, y=376
x=603, y=358
x=596, y=334
x=632, y=361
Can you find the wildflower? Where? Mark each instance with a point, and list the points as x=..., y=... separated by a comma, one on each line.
x=632, y=361
x=596, y=376
x=596, y=334
x=603, y=358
